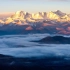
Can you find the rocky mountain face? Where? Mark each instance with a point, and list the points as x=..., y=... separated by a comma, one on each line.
x=58, y=12
x=42, y=22
x=21, y=16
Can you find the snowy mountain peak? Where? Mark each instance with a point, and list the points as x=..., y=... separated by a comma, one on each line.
x=25, y=17
x=52, y=15
x=58, y=12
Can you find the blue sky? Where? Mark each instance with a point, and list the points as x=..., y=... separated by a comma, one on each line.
x=34, y=5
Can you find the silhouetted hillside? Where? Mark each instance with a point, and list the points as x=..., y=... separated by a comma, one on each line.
x=55, y=40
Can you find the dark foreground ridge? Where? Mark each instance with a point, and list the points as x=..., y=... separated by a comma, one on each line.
x=44, y=63
x=55, y=40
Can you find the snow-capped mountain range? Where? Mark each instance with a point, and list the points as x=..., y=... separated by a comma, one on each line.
x=21, y=17
x=22, y=22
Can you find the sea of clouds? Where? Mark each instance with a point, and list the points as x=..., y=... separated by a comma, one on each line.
x=21, y=46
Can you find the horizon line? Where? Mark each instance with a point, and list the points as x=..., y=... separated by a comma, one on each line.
x=13, y=12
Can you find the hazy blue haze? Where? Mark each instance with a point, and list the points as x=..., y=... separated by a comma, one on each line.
x=34, y=6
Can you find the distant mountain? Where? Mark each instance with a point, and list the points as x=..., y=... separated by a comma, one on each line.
x=22, y=22
x=58, y=12
x=20, y=17
x=51, y=15
x=55, y=40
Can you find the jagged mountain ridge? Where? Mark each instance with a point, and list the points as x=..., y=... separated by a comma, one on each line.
x=20, y=17
x=42, y=22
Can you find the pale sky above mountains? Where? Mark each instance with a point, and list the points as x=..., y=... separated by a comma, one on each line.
x=34, y=5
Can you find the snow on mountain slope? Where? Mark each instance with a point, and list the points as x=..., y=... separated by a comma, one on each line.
x=21, y=17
